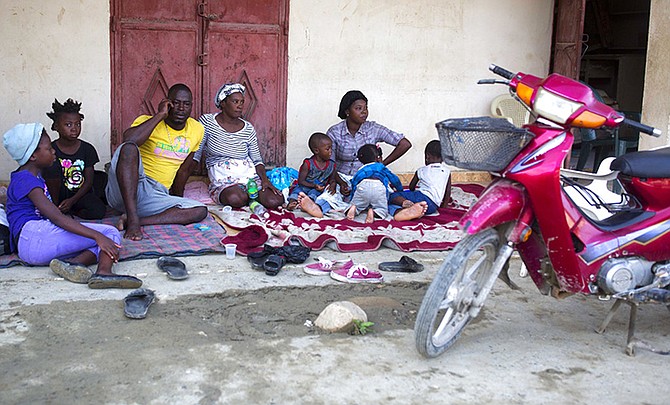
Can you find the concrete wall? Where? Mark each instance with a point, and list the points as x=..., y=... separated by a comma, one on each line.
x=55, y=49
x=417, y=62
x=656, y=100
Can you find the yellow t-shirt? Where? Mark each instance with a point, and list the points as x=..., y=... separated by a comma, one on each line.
x=166, y=149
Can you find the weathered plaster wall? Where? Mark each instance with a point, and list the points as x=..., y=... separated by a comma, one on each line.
x=417, y=62
x=55, y=49
x=656, y=100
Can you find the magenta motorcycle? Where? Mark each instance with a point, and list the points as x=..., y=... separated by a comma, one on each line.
x=623, y=256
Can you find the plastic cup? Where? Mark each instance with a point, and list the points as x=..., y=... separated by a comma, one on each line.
x=230, y=250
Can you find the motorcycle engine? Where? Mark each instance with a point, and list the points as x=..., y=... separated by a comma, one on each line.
x=623, y=274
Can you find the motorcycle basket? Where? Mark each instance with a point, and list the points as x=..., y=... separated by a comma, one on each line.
x=481, y=143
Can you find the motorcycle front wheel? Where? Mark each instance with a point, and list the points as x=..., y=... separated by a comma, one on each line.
x=445, y=309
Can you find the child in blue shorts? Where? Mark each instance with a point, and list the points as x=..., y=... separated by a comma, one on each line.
x=431, y=185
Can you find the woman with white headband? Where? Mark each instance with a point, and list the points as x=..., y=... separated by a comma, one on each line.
x=231, y=153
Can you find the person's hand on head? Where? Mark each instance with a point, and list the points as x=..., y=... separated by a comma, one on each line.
x=164, y=107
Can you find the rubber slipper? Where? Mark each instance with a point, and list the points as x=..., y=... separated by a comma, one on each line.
x=175, y=268
x=137, y=303
x=76, y=273
x=98, y=281
x=257, y=259
x=405, y=265
x=273, y=264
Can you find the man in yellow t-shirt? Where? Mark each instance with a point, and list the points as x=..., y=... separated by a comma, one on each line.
x=150, y=168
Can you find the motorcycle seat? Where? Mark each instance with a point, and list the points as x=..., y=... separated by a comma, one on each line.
x=647, y=164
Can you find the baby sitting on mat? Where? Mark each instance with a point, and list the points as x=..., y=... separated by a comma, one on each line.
x=369, y=188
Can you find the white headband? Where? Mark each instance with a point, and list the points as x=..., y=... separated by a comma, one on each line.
x=226, y=90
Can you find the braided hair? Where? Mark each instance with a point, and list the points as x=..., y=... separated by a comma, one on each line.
x=70, y=106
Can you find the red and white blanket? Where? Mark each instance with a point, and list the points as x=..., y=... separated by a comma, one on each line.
x=431, y=232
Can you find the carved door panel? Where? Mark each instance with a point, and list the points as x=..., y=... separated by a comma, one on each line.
x=157, y=43
x=246, y=43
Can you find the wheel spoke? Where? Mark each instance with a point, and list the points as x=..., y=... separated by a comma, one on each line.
x=475, y=266
x=445, y=321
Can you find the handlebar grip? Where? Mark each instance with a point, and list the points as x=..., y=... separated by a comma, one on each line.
x=501, y=71
x=643, y=128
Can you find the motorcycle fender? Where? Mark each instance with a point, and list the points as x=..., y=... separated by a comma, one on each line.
x=503, y=202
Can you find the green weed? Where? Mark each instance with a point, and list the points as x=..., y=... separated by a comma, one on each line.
x=361, y=328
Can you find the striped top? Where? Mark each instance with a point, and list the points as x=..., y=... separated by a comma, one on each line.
x=219, y=145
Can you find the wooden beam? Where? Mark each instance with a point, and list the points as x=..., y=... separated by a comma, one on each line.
x=568, y=37
x=601, y=13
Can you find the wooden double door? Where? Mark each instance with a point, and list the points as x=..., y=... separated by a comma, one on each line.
x=203, y=44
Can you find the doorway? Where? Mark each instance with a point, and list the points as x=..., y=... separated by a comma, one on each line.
x=614, y=53
x=614, y=49
x=604, y=44
x=203, y=44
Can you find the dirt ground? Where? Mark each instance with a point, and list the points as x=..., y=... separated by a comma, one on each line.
x=232, y=335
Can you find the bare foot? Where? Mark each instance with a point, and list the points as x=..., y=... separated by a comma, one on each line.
x=309, y=206
x=407, y=204
x=133, y=234
x=121, y=223
x=417, y=210
x=292, y=204
x=370, y=216
x=133, y=230
x=351, y=212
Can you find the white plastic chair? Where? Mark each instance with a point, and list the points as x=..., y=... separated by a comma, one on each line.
x=598, y=186
x=505, y=106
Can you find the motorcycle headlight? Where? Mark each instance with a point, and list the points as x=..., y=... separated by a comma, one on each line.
x=554, y=107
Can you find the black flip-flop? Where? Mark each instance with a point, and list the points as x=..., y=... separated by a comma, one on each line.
x=98, y=281
x=405, y=265
x=137, y=303
x=175, y=268
x=257, y=259
x=273, y=264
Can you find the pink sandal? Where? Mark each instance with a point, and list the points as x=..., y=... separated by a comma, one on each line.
x=325, y=266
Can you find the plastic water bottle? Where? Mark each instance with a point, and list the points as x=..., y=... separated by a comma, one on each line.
x=258, y=209
x=252, y=189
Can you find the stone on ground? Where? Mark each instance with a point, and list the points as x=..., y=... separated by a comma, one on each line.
x=339, y=317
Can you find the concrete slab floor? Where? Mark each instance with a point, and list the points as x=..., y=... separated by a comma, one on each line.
x=230, y=334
